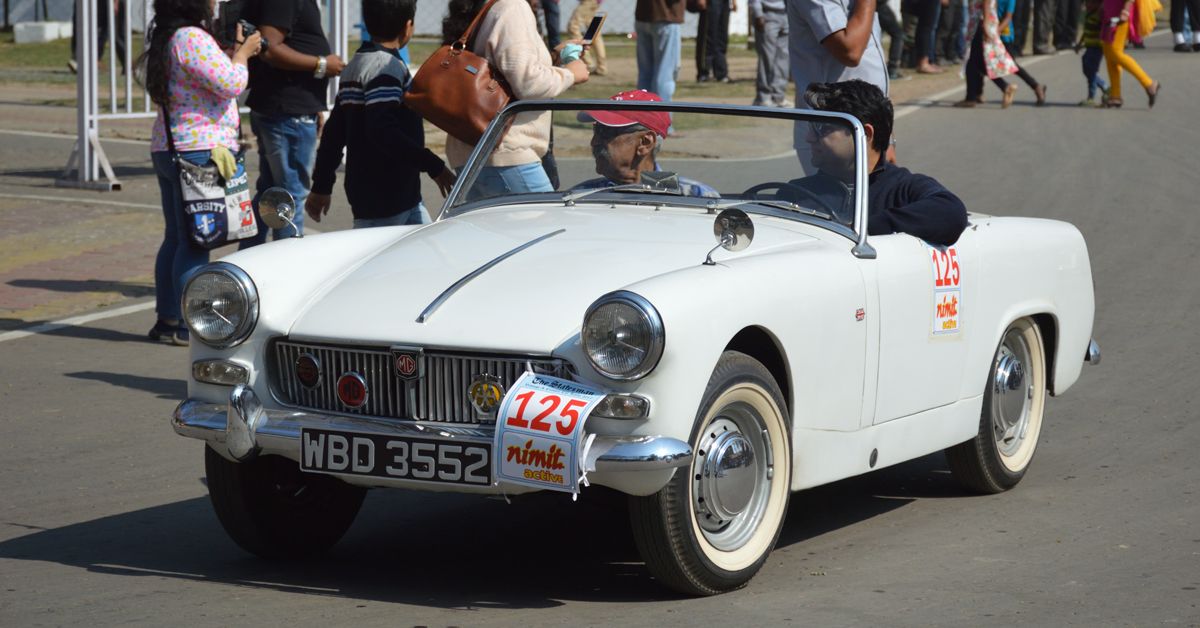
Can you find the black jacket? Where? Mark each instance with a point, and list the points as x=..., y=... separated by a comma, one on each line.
x=383, y=138
x=899, y=201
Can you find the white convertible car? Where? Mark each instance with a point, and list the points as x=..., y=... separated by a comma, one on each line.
x=707, y=378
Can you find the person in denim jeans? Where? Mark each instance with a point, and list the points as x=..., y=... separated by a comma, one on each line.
x=287, y=94
x=657, y=24
x=196, y=84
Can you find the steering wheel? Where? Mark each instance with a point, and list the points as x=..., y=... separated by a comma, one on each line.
x=753, y=192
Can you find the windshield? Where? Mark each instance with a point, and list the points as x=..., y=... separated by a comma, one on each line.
x=582, y=152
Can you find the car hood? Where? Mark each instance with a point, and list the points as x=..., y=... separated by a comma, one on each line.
x=531, y=301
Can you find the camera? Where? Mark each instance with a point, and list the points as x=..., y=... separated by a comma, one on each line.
x=249, y=29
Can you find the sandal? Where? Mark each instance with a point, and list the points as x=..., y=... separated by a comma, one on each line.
x=1153, y=95
x=1040, y=92
x=1009, y=93
x=1114, y=103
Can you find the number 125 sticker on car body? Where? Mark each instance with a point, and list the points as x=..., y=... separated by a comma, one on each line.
x=539, y=432
x=947, y=290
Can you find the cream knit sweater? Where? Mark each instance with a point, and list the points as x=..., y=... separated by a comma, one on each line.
x=508, y=38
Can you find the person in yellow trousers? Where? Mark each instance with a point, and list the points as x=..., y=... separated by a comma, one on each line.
x=594, y=55
x=1122, y=20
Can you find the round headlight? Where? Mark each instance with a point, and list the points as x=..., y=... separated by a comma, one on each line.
x=623, y=336
x=220, y=305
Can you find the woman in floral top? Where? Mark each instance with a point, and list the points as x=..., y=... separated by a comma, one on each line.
x=188, y=76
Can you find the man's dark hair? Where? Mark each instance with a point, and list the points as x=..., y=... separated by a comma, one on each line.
x=385, y=19
x=859, y=99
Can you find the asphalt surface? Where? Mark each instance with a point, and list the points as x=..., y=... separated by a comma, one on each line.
x=104, y=516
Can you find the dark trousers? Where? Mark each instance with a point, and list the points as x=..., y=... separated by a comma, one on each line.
x=102, y=28
x=702, y=69
x=1020, y=25
x=716, y=40
x=950, y=31
x=890, y=25
x=1043, y=24
x=977, y=71
x=550, y=10
x=927, y=14
x=1193, y=11
x=1066, y=23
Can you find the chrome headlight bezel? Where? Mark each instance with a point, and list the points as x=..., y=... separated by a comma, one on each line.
x=249, y=293
x=649, y=314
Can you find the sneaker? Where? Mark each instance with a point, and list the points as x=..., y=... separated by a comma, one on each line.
x=162, y=331
x=1196, y=47
x=724, y=79
x=894, y=74
x=1088, y=102
x=1183, y=48
x=784, y=103
x=182, y=337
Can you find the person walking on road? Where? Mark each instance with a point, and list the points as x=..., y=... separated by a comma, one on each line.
x=1117, y=19
x=287, y=99
x=196, y=85
x=770, y=41
x=988, y=57
x=1185, y=13
x=508, y=38
x=891, y=25
x=716, y=41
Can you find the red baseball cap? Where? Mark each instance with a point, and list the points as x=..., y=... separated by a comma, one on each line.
x=657, y=121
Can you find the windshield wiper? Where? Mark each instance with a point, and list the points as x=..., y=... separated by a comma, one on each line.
x=570, y=197
x=784, y=205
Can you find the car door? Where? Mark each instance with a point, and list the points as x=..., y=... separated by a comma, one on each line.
x=925, y=296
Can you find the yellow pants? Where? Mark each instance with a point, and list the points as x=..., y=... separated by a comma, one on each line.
x=594, y=56
x=1115, y=58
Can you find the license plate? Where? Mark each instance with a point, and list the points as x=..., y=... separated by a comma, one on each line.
x=403, y=458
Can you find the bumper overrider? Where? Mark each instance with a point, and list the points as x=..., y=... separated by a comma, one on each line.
x=243, y=429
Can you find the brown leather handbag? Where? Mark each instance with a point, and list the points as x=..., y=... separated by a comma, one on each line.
x=457, y=90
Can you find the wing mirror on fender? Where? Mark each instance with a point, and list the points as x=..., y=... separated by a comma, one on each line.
x=277, y=208
x=734, y=231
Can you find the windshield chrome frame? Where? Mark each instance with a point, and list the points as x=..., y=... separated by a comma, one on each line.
x=479, y=156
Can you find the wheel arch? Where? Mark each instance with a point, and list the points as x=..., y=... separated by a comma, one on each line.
x=1048, y=325
x=760, y=344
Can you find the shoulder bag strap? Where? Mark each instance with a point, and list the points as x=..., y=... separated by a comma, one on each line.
x=462, y=41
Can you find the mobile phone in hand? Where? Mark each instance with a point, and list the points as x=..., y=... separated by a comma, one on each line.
x=593, y=29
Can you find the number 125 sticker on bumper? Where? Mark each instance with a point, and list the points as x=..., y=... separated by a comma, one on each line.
x=539, y=434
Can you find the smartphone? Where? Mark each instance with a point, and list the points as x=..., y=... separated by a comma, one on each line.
x=593, y=29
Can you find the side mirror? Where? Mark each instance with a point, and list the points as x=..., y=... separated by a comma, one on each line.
x=277, y=208
x=734, y=232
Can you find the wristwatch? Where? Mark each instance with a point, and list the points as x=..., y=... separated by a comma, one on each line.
x=319, y=72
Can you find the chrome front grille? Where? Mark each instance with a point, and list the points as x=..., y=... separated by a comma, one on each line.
x=440, y=394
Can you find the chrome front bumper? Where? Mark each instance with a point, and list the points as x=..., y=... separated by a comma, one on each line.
x=244, y=428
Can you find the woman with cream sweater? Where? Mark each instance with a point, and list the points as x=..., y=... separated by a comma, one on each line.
x=508, y=38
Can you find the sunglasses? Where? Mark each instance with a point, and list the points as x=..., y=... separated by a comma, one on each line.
x=822, y=129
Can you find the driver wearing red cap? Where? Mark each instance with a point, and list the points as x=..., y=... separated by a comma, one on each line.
x=626, y=143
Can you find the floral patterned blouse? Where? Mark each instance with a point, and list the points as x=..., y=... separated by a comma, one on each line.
x=203, y=89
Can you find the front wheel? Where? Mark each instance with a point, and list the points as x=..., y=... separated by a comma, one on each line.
x=711, y=529
x=273, y=509
x=1014, y=403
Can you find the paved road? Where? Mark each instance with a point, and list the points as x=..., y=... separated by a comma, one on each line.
x=104, y=517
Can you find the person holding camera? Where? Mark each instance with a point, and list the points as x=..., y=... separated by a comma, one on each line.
x=195, y=86
x=287, y=96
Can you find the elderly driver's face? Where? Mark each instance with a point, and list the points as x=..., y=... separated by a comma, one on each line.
x=832, y=149
x=620, y=153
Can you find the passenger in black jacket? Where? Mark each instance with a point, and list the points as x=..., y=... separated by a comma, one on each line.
x=384, y=139
x=898, y=201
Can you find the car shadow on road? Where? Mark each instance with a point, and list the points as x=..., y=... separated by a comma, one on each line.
x=165, y=388
x=123, y=288
x=444, y=550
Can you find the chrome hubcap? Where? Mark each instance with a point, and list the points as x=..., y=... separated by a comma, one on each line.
x=1012, y=393
x=731, y=477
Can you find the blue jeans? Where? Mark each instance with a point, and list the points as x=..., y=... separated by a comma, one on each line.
x=504, y=180
x=415, y=216
x=658, y=48
x=178, y=257
x=287, y=148
x=1091, y=71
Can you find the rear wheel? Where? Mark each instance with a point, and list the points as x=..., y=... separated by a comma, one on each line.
x=711, y=529
x=1014, y=403
x=273, y=509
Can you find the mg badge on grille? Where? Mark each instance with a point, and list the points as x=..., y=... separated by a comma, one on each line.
x=308, y=370
x=352, y=390
x=485, y=393
x=408, y=362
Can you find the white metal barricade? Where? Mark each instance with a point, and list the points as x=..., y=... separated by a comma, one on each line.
x=127, y=100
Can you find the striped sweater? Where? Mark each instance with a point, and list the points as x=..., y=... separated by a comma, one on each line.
x=384, y=140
